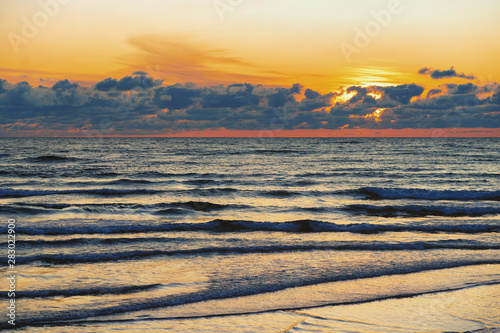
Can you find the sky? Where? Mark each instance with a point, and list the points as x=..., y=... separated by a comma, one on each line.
x=249, y=68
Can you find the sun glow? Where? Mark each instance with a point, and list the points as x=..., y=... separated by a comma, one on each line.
x=375, y=115
x=344, y=97
x=375, y=95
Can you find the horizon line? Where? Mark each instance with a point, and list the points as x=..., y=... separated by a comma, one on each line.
x=478, y=132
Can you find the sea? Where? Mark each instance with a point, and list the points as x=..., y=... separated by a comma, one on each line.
x=251, y=234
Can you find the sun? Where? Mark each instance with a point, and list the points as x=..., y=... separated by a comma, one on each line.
x=344, y=97
x=375, y=115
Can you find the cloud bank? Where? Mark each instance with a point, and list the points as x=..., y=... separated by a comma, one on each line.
x=140, y=105
x=439, y=74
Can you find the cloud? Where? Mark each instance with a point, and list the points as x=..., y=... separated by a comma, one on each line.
x=106, y=84
x=495, y=99
x=434, y=92
x=127, y=83
x=2, y=82
x=403, y=93
x=311, y=94
x=64, y=85
x=462, y=89
x=183, y=57
x=177, y=96
x=439, y=74
x=140, y=105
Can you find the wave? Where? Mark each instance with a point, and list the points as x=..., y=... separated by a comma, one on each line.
x=107, y=191
x=299, y=226
x=21, y=210
x=12, y=193
x=48, y=206
x=417, y=193
x=51, y=158
x=172, y=211
x=420, y=211
x=304, y=182
x=105, y=174
x=172, y=208
x=125, y=181
x=22, y=173
x=96, y=291
x=63, y=259
x=211, y=191
x=200, y=182
x=332, y=245
x=96, y=241
x=98, y=172
x=312, y=174
x=349, y=142
x=156, y=174
x=221, y=292
x=279, y=193
x=276, y=151
x=311, y=209
x=203, y=206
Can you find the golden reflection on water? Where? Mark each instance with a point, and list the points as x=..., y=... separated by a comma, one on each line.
x=438, y=312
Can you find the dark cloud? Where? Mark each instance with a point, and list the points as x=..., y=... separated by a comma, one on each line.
x=234, y=96
x=106, y=84
x=311, y=94
x=140, y=73
x=137, y=82
x=176, y=97
x=362, y=99
x=433, y=92
x=462, y=89
x=315, y=101
x=280, y=98
x=495, y=99
x=18, y=95
x=64, y=85
x=2, y=89
x=127, y=83
x=403, y=93
x=140, y=105
x=439, y=74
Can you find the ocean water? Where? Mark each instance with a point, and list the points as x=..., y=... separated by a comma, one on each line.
x=228, y=234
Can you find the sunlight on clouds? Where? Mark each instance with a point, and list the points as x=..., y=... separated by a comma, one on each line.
x=376, y=95
x=237, y=72
x=375, y=115
x=344, y=97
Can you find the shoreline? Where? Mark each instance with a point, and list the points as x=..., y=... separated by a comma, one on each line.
x=470, y=293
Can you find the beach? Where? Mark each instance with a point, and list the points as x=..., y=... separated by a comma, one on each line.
x=254, y=235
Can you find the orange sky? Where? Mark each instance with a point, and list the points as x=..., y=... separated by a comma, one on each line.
x=323, y=45
x=398, y=133
x=277, y=42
